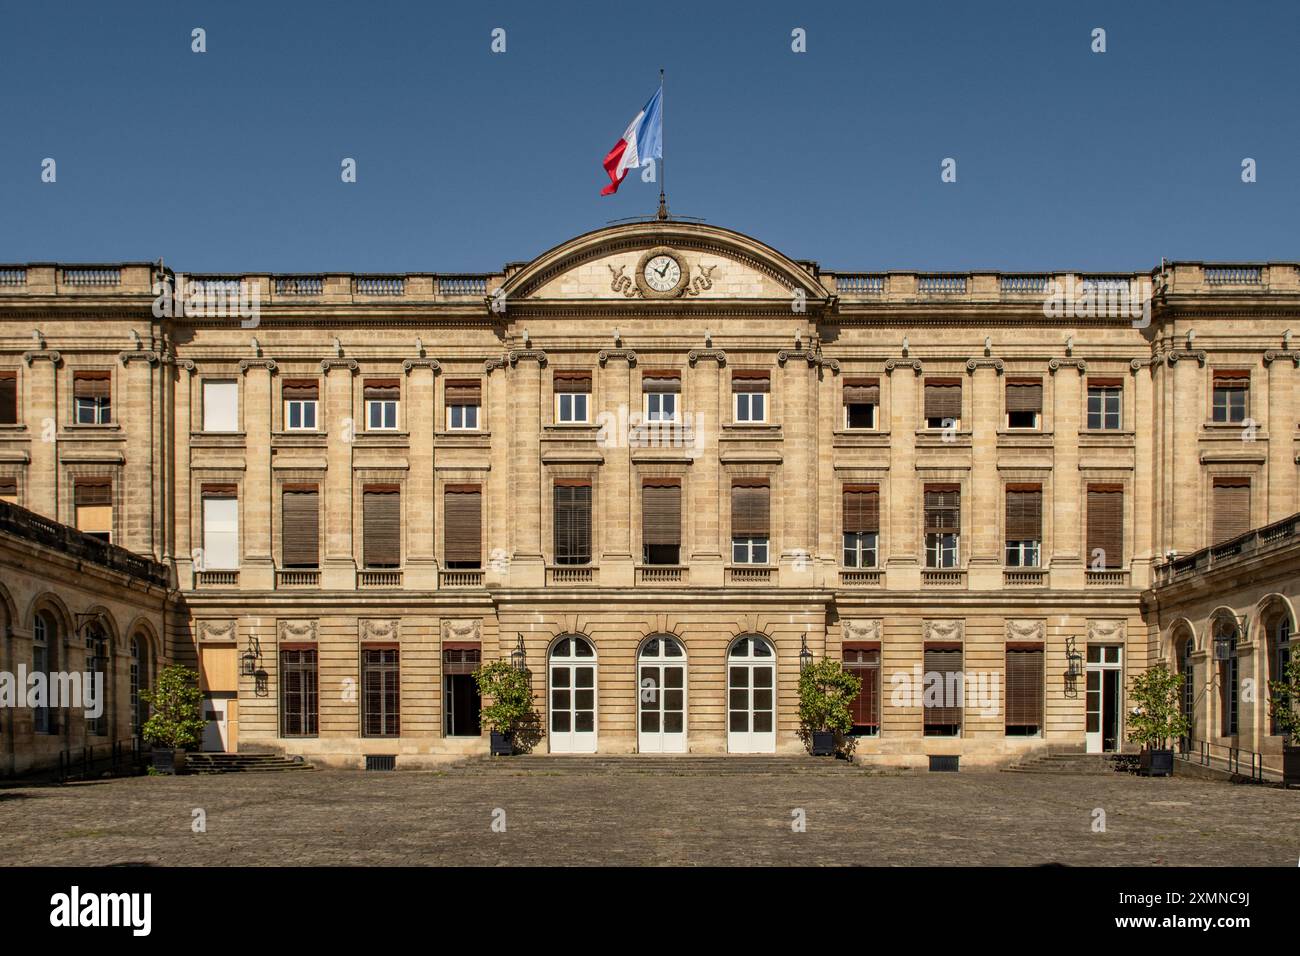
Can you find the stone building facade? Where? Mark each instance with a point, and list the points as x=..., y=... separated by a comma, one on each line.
x=657, y=464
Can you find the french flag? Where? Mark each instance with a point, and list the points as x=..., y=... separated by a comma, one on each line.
x=642, y=141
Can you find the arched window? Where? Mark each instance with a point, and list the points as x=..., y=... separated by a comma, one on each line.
x=572, y=676
x=661, y=696
x=751, y=696
x=97, y=661
x=1281, y=657
x=44, y=645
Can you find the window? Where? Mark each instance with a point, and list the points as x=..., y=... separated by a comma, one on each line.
x=462, y=703
x=661, y=521
x=97, y=662
x=298, y=696
x=220, y=406
x=134, y=687
x=750, y=517
x=862, y=660
x=572, y=397
x=220, y=527
x=944, y=692
x=1231, y=396
x=300, y=515
x=381, y=694
x=92, y=397
x=943, y=403
x=750, y=390
x=1229, y=696
x=382, y=396
x=462, y=526
x=1104, y=398
x=9, y=490
x=301, y=396
x=92, y=500
x=464, y=396
x=8, y=397
x=1105, y=527
x=44, y=642
x=1024, y=529
x=661, y=390
x=1024, y=402
x=1024, y=711
x=861, y=525
x=572, y=521
x=1282, y=651
x=381, y=513
x=942, y=525
x=1231, y=508
x=861, y=401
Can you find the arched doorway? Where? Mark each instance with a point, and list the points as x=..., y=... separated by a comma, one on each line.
x=1281, y=648
x=1186, y=647
x=572, y=675
x=661, y=696
x=751, y=696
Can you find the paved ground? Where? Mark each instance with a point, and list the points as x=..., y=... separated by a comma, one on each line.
x=354, y=818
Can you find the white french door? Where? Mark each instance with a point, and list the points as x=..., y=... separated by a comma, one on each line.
x=751, y=697
x=661, y=697
x=572, y=671
x=1105, y=698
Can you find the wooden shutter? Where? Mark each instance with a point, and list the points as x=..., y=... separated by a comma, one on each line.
x=750, y=509
x=92, y=384
x=861, y=509
x=464, y=391
x=661, y=511
x=1024, y=395
x=381, y=681
x=945, y=660
x=942, y=509
x=572, y=381
x=8, y=397
x=382, y=517
x=1232, y=378
x=299, y=389
x=744, y=380
x=382, y=389
x=461, y=657
x=661, y=380
x=943, y=398
x=1231, y=508
x=1024, y=686
x=300, y=513
x=9, y=489
x=572, y=521
x=1106, y=524
x=92, y=492
x=862, y=391
x=1024, y=513
x=862, y=660
x=462, y=525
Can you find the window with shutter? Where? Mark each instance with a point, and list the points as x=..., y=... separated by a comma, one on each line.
x=944, y=690
x=382, y=397
x=220, y=406
x=1024, y=402
x=93, y=501
x=462, y=526
x=861, y=400
x=464, y=398
x=300, y=511
x=660, y=390
x=1231, y=508
x=301, y=397
x=220, y=527
x=1105, y=396
x=861, y=525
x=1024, y=523
x=1105, y=526
x=750, y=520
x=8, y=397
x=749, y=391
x=92, y=397
x=1231, y=398
x=1024, y=691
x=942, y=402
x=298, y=692
x=942, y=525
x=572, y=396
x=572, y=521
x=862, y=660
x=661, y=520
x=381, y=692
x=9, y=490
x=382, y=518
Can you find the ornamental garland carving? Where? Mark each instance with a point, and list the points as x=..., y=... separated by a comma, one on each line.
x=297, y=630
x=461, y=630
x=1026, y=630
x=385, y=630
x=1114, y=630
x=943, y=630
x=862, y=630
x=217, y=630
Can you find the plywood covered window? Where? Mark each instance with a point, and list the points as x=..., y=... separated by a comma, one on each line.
x=220, y=406
x=300, y=513
x=1105, y=526
x=944, y=689
x=93, y=502
x=572, y=521
x=462, y=526
x=381, y=507
x=942, y=402
x=1024, y=694
x=661, y=520
x=1231, y=507
x=220, y=527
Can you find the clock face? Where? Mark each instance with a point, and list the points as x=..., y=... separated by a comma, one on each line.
x=662, y=273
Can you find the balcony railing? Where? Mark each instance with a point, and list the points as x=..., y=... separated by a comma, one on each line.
x=661, y=574
x=297, y=578
x=860, y=284
x=745, y=576
x=941, y=285
x=943, y=577
x=462, y=285
x=1023, y=285
x=299, y=285
x=218, y=579
x=13, y=276
x=38, y=529
x=859, y=578
x=1255, y=541
x=1233, y=275
x=1115, y=578
x=1024, y=578
x=92, y=277
x=381, y=285
x=379, y=579
x=460, y=579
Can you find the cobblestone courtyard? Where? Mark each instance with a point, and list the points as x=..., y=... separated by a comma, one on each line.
x=353, y=818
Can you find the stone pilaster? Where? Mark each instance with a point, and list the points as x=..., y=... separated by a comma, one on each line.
x=421, y=540
x=341, y=423
x=986, y=498
x=901, y=522
x=1067, y=519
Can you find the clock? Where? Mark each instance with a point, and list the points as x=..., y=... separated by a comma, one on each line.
x=661, y=274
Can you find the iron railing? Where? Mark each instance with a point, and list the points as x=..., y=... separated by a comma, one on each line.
x=93, y=759
x=1236, y=760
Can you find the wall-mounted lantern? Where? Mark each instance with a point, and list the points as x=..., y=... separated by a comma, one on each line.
x=517, y=658
x=805, y=656
x=248, y=660
x=1073, y=660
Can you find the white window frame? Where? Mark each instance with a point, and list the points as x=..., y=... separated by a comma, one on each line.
x=215, y=552
x=101, y=410
x=572, y=417
x=941, y=548
x=370, y=405
x=1107, y=391
x=745, y=401
x=302, y=405
x=655, y=414
x=875, y=417
x=464, y=414
x=865, y=544
x=752, y=546
x=1028, y=552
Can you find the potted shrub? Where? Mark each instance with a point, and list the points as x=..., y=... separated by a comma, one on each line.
x=826, y=695
x=1284, y=708
x=176, y=722
x=1157, y=719
x=511, y=714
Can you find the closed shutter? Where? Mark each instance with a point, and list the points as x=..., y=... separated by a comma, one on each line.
x=572, y=521
x=382, y=516
x=861, y=509
x=572, y=381
x=1233, y=378
x=750, y=509
x=1024, y=395
x=862, y=660
x=382, y=390
x=1106, y=524
x=462, y=525
x=9, y=490
x=299, y=389
x=381, y=692
x=92, y=492
x=750, y=381
x=300, y=509
x=661, y=511
x=96, y=384
x=1024, y=513
x=8, y=397
x=661, y=380
x=220, y=528
x=944, y=660
x=221, y=406
x=862, y=391
x=1231, y=508
x=461, y=657
x=943, y=398
x=464, y=391
x=1024, y=686
x=942, y=509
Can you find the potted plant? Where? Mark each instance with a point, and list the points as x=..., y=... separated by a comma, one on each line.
x=1284, y=709
x=826, y=695
x=511, y=711
x=1157, y=719
x=176, y=722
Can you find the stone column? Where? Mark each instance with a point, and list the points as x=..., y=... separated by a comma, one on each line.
x=792, y=492
x=421, y=504
x=1068, y=559
x=528, y=497
x=183, y=383
x=708, y=545
x=341, y=423
x=1190, y=528
x=986, y=498
x=616, y=481
x=257, y=569
x=901, y=521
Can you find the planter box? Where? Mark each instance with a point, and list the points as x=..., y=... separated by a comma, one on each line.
x=1156, y=763
x=169, y=761
x=823, y=743
x=1291, y=767
x=501, y=745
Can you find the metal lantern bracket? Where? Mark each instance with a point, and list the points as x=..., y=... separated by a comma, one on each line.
x=1074, y=660
x=518, y=659
x=248, y=660
x=805, y=655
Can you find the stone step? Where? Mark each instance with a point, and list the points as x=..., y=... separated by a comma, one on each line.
x=679, y=764
x=209, y=763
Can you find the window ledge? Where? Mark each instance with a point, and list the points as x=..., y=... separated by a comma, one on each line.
x=12, y=427
x=79, y=427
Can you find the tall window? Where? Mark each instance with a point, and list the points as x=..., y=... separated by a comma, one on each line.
x=1282, y=650
x=220, y=527
x=298, y=694
x=1024, y=694
x=464, y=397
x=1105, y=526
x=572, y=396
x=861, y=525
x=661, y=521
x=44, y=642
x=862, y=660
x=1231, y=507
x=1187, y=700
x=382, y=396
x=461, y=701
x=861, y=402
x=1231, y=401
x=572, y=521
x=1229, y=694
x=462, y=526
x=749, y=391
x=92, y=397
x=1024, y=402
x=8, y=397
x=381, y=511
x=1024, y=525
x=660, y=391
x=942, y=704
x=301, y=397
x=92, y=499
x=220, y=406
x=943, y=403
x=1104, y=403
x=750, y=521
x=381, y=693
x=134, y=684
x=98, y=662
x=942, y=525
x=300, y=518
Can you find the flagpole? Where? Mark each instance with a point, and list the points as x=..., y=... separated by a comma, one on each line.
x=663, y=206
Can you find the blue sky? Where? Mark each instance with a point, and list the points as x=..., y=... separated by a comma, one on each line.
x=230, y=160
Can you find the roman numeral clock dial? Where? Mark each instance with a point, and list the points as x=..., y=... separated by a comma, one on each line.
x=661, y=274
